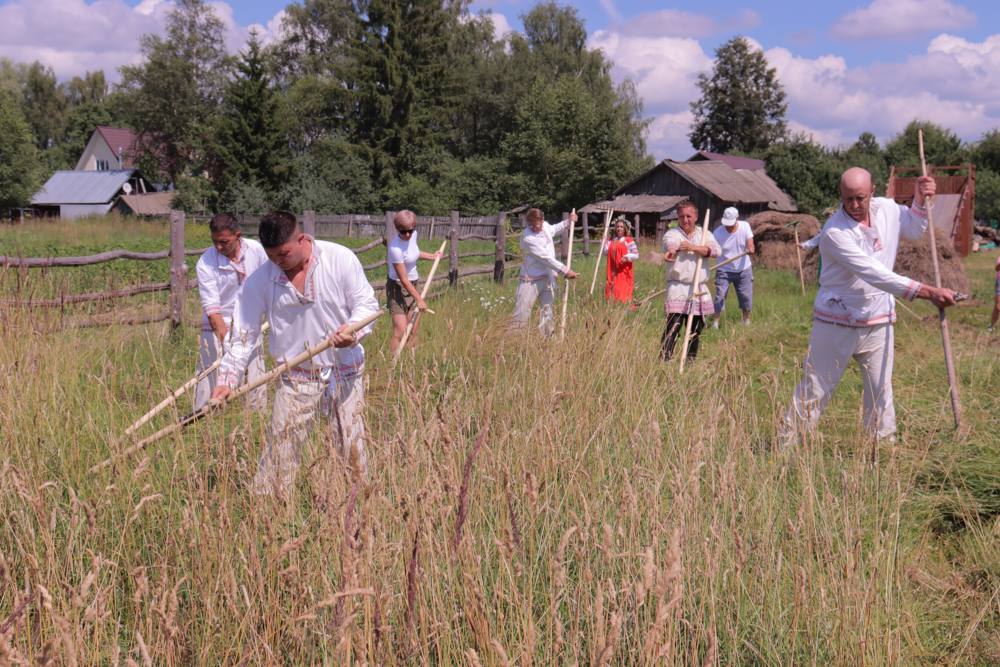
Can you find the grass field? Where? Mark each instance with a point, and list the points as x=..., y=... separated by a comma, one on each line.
x=529, y=502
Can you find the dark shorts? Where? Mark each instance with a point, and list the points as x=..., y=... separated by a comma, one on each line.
x=397, y=299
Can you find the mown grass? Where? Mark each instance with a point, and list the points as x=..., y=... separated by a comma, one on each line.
x=615, y=511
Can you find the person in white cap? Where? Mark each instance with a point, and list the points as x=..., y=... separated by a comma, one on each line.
x=538, y=272
x=854, y=310
x=735, y=238
x=222, y=271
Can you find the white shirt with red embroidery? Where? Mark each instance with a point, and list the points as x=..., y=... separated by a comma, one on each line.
x=220, y=279
x=336, y=293
x=857, y=283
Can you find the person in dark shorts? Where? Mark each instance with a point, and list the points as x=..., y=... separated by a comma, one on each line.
x=400, y=287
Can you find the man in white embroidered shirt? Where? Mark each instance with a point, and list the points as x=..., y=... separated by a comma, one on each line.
x=854, y=310
x=222, y=271
x=310, y=290
x=538, y=272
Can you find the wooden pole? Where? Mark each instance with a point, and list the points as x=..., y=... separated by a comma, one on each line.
x=500, y=258
x=453, y=230
x=586, y=234
x=604, y=237
x=949, y=361
x=423, y=295
x=178, y=269
x=717, y=266
x=694, y=293
x=798, y=256
x=177, y=393
x=569, y=262
x=243, y=390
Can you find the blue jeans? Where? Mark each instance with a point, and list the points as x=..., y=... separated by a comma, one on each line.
x=742, y=281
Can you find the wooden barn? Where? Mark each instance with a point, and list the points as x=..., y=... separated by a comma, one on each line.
x=708, y=182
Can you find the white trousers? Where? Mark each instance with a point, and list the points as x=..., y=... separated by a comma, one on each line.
x=341, y=400
x=831, y=348
x=209, y=350
x=529, y=291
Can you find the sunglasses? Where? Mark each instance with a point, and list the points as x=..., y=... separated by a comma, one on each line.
x=404, y=232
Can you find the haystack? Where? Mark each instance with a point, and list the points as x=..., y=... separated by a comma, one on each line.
x=914, y=261
x=775, y=241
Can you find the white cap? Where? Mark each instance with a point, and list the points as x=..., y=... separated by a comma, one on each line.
x=729, y=216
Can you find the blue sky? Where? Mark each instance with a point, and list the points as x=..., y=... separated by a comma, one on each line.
x=862, y=65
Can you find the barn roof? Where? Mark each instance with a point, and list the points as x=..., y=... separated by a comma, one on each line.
x=734, y=161
x=635, y=204
x=153, y=203
x=739, y=186
x=81, y=187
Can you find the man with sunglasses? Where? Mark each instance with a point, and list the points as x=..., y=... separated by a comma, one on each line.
x=538, y=272
x=400, y=287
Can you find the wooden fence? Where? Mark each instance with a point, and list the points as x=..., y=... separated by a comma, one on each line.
x=454, y=227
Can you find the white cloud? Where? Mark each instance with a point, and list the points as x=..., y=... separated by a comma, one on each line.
x=902, y=18
x=668, y=136
x=501, y=26
x=611, y=10
x=74, y=36
x=680, y=23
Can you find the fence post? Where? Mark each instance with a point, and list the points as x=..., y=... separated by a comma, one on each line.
x=637, y=232
x=178, y=269
x=309, y=222
x=350, y=224
x=586, y=234
x=501, y=255
x=453, y=249
x=387, y=234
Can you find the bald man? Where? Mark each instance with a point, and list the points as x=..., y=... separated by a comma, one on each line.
x=854, y=310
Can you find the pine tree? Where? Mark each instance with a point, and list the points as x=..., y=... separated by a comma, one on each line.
x=250, y=146
x=742, y=106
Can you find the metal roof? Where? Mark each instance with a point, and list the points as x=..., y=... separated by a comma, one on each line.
x=81, y=187
x=154, y=203
x=635, y=204
x=734, y=161
x=733, y=185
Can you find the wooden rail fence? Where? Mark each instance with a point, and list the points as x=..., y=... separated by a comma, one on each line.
x=497, y=228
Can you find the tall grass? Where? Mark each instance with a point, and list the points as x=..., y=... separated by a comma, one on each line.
x=529, y=502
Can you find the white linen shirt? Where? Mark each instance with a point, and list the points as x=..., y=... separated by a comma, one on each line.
x=682, y=268
x=336, y=293
x=403, y=252
x=857, y=283
x=221, y=279
x=732, y=242
x=539, y=253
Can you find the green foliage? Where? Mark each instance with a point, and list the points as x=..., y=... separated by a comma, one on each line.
x=986, y=151
x=330, y=176
x=195, y=194
x=178, y=87
x=941, y=146
x=20, y=175
x=742, y=105
x=867, y=153
x=44, y=104
x=987, y=194
x=805, y=170
x=251, y=156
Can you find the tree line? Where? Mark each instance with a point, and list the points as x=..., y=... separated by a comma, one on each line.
x=742, y=110
x=359, y=106
x=368, y=105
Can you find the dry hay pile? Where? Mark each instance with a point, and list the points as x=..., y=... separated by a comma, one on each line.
x=775, y=241
x=914, y=261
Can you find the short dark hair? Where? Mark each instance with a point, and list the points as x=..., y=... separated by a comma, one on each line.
x=276, y=228
x=535, y=214
x=687, y=203
x=223, y=222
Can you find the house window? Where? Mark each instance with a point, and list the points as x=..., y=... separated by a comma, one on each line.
x=102, y=165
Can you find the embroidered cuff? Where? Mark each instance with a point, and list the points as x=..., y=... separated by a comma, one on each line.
x=912, y=289
x=918, y=209
x=229, y=378
x=212, y=310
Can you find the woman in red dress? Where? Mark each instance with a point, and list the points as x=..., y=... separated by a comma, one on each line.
x=622, y=252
